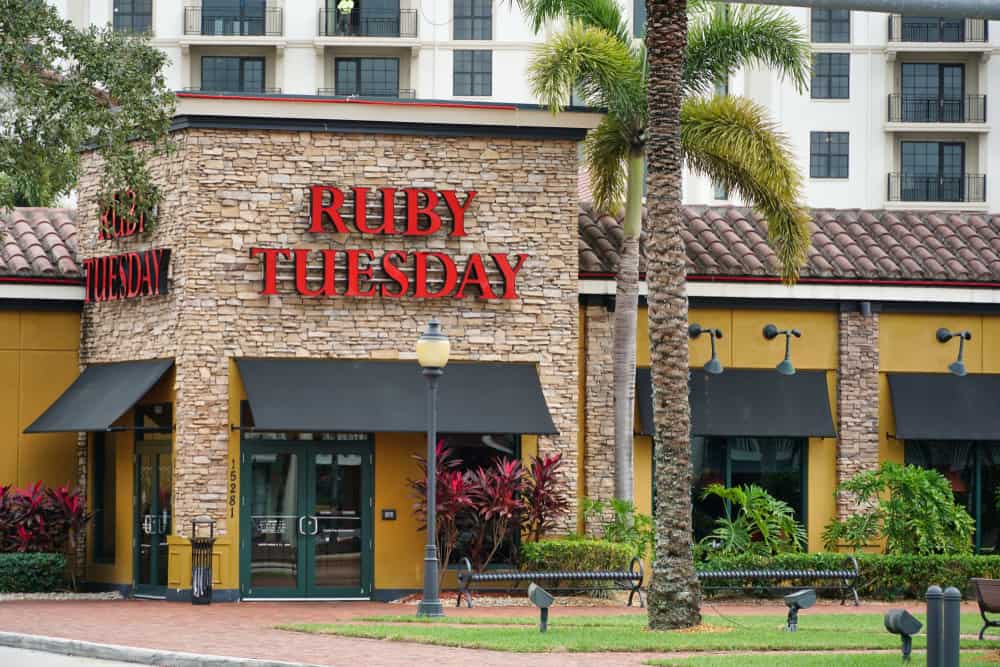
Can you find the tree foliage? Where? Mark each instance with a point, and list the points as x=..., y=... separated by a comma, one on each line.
x=911, y=509
x=763, y=525
x=63, y=89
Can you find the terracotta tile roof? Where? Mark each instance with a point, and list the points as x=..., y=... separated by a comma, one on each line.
x=38, y=243
x=846, y=244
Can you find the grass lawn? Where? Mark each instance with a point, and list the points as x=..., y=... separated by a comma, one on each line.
x=629, y=633
x=814, y=660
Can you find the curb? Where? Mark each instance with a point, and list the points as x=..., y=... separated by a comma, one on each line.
x=140, y=656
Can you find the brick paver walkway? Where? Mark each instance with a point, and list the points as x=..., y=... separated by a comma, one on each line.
x=246, y=630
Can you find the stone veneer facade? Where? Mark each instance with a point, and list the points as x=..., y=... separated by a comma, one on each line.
x=857, y=400
x=599, y=406
x=228, y=190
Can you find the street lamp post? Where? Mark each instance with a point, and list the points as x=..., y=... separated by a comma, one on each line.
x=433, y=348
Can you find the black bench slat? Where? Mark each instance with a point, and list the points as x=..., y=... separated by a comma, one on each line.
x=847, y=577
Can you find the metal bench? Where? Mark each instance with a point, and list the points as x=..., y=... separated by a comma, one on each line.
x=846, y=578
x=628, y=580
x=988, y=596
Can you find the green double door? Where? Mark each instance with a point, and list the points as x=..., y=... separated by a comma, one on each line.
x=306, y=519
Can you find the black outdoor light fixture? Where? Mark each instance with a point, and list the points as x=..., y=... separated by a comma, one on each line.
x=433, y=349
x=901, y=622
x=713, y=366
x=796, y=601
x=957, y=367
x=542, y=599
x=771, y=332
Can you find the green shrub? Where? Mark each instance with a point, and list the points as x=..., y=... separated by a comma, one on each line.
x=32, y=572
x=763, y=525
x=575, y=554
x=622, y=523
x=881, y=577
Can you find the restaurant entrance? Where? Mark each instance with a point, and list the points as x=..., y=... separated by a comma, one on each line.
x=307, y=517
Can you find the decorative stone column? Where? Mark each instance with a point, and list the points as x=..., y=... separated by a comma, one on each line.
x=599, y=406
x=857, y=399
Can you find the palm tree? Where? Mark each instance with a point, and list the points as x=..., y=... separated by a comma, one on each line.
x=727, y=139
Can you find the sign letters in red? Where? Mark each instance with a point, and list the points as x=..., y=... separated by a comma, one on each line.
x=127, y=276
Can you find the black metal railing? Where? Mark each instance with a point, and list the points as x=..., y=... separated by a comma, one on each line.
x=938, y=30
x=905, y=109
x=197, y=22
x=219, y=91
x=360, y=23
x=908, y=187
x=364, y=93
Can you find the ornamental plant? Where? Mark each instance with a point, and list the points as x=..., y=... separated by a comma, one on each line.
x=621, y=523
x=912, y=510
x=545, y=496
x=763, y=525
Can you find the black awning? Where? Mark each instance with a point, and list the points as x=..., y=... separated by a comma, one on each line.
x=391, y=396
x=101, y=395
x=941, y=406
x=743, y=402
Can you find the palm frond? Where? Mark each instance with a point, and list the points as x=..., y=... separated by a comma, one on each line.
x=604, y=14
x=605, y=150
x=732, y=141
x=606, y=72
x=720, y=42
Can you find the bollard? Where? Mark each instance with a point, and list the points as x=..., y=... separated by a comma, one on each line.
x=934, y=620
x=950, y=628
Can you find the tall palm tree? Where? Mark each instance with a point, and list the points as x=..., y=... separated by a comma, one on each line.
x=727, y=139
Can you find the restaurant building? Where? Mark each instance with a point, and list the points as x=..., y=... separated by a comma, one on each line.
x=248, y=355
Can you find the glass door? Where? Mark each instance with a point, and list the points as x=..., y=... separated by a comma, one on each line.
x=153, y=495
x=306, y=519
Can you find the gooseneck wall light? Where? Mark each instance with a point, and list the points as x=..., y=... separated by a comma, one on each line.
x=433, y=349
x=771, y=332
x=713, y=366
x=957, y=367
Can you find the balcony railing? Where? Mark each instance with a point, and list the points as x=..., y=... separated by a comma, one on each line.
x=246, y=91
x=967, y=188
x=197, y=22
x=938, y=30
x=360, y=23
x=373, y=93
x=905, y=109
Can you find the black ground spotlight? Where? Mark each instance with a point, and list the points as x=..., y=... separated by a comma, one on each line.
x=900, y=622
x=796, y=601
x=542, y=599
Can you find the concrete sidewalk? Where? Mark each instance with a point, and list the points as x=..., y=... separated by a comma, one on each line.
x=246, y=630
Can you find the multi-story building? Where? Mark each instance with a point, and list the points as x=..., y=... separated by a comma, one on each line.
x=424, y=49
x=897, y=115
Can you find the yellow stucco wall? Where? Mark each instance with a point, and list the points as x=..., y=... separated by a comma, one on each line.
x=744, y=346
x=39, y=358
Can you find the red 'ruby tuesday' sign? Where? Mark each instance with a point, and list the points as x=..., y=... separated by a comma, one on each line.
x=409, y=212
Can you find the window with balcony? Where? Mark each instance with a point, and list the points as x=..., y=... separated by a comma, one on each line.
x=232, y=17
x=367, y=18
x=473, y=19
x=133, y=16
x=473, y=73
x=935, y=93
x=831, y=25
x=367, y=77
x=831, y=76
x=829, y=154
x=232, y=74
x=934, y=171
x=932, y=29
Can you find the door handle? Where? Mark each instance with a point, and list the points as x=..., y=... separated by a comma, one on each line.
x=315, y=526
x=302, y=531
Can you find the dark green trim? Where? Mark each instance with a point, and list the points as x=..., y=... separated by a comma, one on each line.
x=102, y=514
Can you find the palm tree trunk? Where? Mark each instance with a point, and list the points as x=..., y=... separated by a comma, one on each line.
x=674, y=595
x=624, y=343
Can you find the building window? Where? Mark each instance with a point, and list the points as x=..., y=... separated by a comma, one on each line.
x=777, y=465
x=639, y=18
x=133, y=16
x=473, y=73
x=932, y=171
x=722, y=88
x=473, y=19
x=828, y=154
x=367, y=77
x=233, y=17
x=932, y=29
x=720, y=192
x=831, y=76
x=831, y=25
x=232, y=74
x=972, y=468
x=104, y=499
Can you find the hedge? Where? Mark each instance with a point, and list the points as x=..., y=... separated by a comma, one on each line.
x=575, y=554
x=881, y=577
x=32, y=572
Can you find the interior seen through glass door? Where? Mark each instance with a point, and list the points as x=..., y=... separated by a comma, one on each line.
x=274, y=521
x=337, y=526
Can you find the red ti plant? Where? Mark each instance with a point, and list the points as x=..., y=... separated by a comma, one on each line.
x=544, y=494
x=496, y=494
x=452, y=501
x=67, y=506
